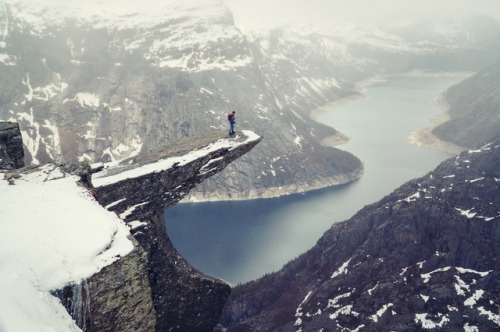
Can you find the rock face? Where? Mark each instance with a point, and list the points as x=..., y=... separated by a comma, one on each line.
x=424, y=257
x=154, y=288
x=118, y=298
x=474, y=109
x=11, y=146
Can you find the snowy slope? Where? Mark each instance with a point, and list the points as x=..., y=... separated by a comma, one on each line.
x=173, y=33
x=53, y=234
x=115, y=14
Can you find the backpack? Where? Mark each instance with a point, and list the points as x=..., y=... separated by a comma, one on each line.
x=229, y=116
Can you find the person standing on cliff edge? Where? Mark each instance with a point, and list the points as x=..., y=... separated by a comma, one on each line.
x=231, y=117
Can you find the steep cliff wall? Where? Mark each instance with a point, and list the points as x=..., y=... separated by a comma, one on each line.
x=424, y=257
x=154, y=288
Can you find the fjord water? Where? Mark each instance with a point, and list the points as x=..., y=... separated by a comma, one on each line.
x=242, y=240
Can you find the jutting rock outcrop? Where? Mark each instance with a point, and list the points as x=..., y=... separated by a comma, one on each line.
x=154, y=288
x=423, y=257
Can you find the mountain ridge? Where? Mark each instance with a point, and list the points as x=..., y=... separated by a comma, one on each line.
x=110, y=91
x=423, y=257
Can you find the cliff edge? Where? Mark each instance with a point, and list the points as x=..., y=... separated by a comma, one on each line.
x=138, y=189
x=113, y=269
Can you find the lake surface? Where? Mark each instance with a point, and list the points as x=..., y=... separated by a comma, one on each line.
x=242, y=240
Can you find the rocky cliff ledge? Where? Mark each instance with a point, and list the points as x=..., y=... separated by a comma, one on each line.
x=154, y=288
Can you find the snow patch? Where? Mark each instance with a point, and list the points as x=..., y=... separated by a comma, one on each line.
x=430, y=324
x=460, y=287
x=411, y=198
x=482, y=274
x=495, y=318
x=109, y=206
x=342, y=269
x=380, y=312
x=137, y=224
x=131, y=210
x=372, y=289
x=471, y=301
x=332, y=303
x=427, y=276
x=468, y=328
x=85, y=99
x=467, y=213
x=346, y=310
x=205, y=169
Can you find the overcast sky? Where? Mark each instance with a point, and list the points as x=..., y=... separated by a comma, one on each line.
x=249, y=13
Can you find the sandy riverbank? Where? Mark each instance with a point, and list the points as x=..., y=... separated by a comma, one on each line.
x=423, y=137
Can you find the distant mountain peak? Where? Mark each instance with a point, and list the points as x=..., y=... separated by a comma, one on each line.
x=114, y=13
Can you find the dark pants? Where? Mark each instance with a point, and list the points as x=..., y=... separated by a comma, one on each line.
x=231, y=130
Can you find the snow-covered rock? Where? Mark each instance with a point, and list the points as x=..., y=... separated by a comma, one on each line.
x=54, y=233
x=93, y=254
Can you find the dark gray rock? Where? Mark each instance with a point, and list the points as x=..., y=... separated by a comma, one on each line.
x=118, y=298
x=11, y=146
x=425, y=256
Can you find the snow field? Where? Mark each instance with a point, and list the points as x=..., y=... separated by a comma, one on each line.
x=53, y=233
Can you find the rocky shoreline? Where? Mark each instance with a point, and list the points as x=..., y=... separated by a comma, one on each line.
x=275, y=192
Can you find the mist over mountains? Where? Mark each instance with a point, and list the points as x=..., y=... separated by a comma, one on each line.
x=119, y=80
x=101, y=83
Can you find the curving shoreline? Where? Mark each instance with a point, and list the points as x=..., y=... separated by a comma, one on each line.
x=421, y=137
x=275, y=192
